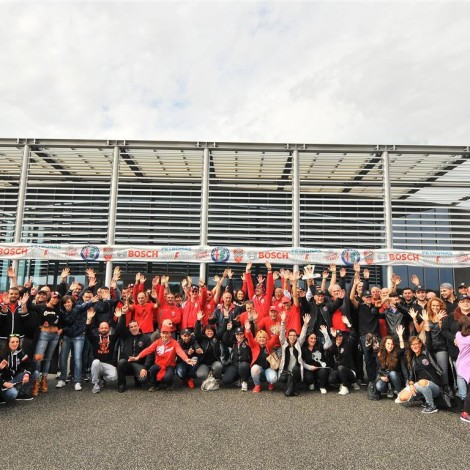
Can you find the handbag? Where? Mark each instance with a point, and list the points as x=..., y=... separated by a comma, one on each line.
x=274, y=360
x=372, y=392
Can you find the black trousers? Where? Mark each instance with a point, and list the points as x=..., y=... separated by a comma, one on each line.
x=310, y=376
x=233, y=373
x=129, y=368
x=343, y=376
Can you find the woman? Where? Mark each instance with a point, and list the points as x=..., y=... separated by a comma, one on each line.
x=314, y=360
x=73, y=318
x=291, y=369
x=16, y=372
x=261, y=347
x=211, y=352
x=390, y=364
x=341, y=357
x=462, y=338
x=436, y=312
x=450, y=326
x=424, y=373
x=50, y=329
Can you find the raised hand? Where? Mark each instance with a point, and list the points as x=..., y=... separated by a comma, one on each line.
x=90, y=313
x=184, y=283
x=415, y=280
x=117, y=273
x=413, y=313
x=164, y=279
x=283, y=317
x=65, y=273
x=357, y=267
x=346, y=320
x=229, y=273
x=156, y=280
x=118, y=312
x=247, y=326
x=333, y=332
x=306, y=318
x=25, y=298
x=260, y=278
x=142, y=279
x=276, y=275
x=92, y=282
x=441, y=315
x=268, y=265
x=342, y=272
x=325, y=274
x=248, y=267
x=200, y=315
x=324, y=330
x=90, y=273
x=425, y=315
x=11, y=273
x=400, y=331
x=366, y=273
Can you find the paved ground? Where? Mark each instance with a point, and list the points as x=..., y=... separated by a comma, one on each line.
x=226, y=429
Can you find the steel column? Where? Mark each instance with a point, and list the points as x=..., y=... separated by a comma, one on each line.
x=387, y=209
x=295, y=201
x=112, y=210
x=204, y=208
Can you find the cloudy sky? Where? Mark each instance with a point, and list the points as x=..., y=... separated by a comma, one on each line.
x=305, y=72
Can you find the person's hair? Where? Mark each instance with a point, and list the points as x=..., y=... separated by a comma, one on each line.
x=464, y=325
x=458, y=315
x=249, y=302
x=68, y=297
x=15, y=288
x=261, y=333
x=431, y=314
x=409, y=353
x=387, y=360
x=5, y=352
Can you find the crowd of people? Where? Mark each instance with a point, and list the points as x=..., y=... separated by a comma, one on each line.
x=283, y=330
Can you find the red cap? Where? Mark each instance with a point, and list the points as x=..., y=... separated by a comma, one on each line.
x=165, y=329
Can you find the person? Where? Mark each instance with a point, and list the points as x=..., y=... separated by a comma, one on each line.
x=103, y=344
x=448, y=296
x=462, y=339
x=50, y=326
x=423, y=374
x=389, y=374
x=314, y=360
x=261, y=347
x=368, y=327
x=435, y=314
x=240, y=359
x=17, y=373
x=450, y=326
x=185, y=371
x=73, y=318
x=132, y=341
x=291, y=369
x=340, y=356
x=165, y=350
x=209, y=343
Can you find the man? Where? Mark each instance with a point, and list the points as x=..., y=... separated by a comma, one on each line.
x=168, y=309
x=368, y=326
x=272, y=323
x=196, y=302
x=143, y=313
x=393, y=315
x=261, y=296
x=447, y=295
x=165, y=349
x=226, y=310
x=132, y=342
x=103, y=344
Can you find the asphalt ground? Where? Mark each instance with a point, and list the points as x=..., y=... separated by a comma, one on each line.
x=226, y=429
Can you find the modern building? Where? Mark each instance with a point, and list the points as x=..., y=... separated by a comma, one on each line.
x=232, y=194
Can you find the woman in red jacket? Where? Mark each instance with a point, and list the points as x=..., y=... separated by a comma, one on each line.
x=261, y=347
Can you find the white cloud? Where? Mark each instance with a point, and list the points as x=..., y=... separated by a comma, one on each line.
x=296, y=72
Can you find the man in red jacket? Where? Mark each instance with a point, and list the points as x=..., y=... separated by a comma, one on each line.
x=165, y=349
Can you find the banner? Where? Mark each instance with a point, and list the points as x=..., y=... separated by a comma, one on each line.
x=235, y=255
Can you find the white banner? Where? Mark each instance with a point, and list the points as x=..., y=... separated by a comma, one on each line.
x=235, y=255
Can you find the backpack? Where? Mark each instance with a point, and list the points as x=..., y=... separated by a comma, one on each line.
x=211, y=383
x=372, y=392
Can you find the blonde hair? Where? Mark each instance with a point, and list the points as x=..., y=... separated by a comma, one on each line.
x=261, y=334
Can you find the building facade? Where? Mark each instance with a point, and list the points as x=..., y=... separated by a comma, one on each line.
x=233, y=194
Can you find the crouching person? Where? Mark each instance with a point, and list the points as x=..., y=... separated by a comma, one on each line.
x=103, y=344
x=132, y=342
x=16, y=376
x=423, y=375
x=165, y=349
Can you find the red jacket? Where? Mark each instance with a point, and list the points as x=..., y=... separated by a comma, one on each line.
x=263, y=302
x=165, y=354
x=255, y=347
x=144, y=316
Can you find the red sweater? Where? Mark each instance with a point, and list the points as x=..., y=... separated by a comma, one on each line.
x=263, y=302
x=144, y=316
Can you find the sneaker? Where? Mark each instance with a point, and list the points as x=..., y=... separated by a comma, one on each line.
x=86, y=377
x=69, y=378
x=153, y=388
x=121, y=388
x=429, y=409
x=343, y=390
x=398, y=401
x=271, y=387
x=78, y=387
x=96, y=388
x=311, y=387
x=2, y=402
x=323, y=391
x=191, y=383
x=390, y=394
x=60, y=384
x=244, y=386
x=356, y=386
x=257, y=389
x=23, y=397
x=465, y=417
x=57, y=375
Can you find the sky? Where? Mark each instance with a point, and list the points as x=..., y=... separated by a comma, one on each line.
x=299, y=72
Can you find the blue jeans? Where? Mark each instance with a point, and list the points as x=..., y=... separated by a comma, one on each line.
x=67, y=342
x=185, y=371
x=46, y=346
x=167, y=378
x=11, y=393
x=429, y=392
x=396, y=381
x=369, y=359
x=258, y=372
x=461, y=384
